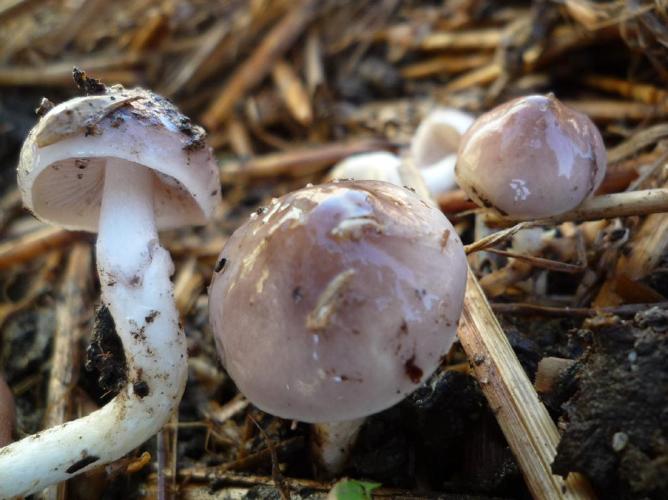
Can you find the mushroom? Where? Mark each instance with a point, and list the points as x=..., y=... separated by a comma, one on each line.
x=7, y=413
x=531, y=157
x=374, y=166
x=434, y=147
x=124, y=163
x=433, y=150
x=335, y=302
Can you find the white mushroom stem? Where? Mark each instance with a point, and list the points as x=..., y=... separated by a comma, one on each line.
x=135, y=278
x=332, y=443
x=440, y=176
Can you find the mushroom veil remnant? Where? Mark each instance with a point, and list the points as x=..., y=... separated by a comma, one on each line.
x=337, y=301
x=124, y=163
x=531, y=157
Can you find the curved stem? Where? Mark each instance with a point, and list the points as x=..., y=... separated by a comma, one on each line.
x=135, y=279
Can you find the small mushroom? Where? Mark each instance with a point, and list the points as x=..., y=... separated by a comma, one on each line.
x=7, y=414
x=335, y=302
x=433, y=151
x=374, y=166
x=531, y=157
x=124, y=163
x=434, y=147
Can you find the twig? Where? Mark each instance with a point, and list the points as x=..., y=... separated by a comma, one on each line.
x=10, y=206
x=38, y=286
x=293, y=92
x=107, y=67
x=607, y=206
x=638, y=141
x=472, y=39
x=522, y=309
x=479, y=76
x=14, y=7
x=495, y=238
x=276, y=476
x=72, y=314
x=640, y=91
x=187, y=285
x=300, y=160
x=29, y=246
x=256, y=67
x=313, y=64
x=238, y=138
x=213, y=38
x=611, y=110
x=196, y=248
x=444, y=64
x=553, y=265
x=530, y=431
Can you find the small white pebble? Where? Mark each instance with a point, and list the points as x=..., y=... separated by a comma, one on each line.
x=633, y=357
x=619, y=441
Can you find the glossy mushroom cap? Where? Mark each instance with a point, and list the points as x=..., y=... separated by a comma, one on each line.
x=7, y=414
x=531, y=157
x=337, y=300
x=62, y=162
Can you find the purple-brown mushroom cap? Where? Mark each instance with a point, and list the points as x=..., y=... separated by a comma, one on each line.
x=531, y=157
x=337, y=300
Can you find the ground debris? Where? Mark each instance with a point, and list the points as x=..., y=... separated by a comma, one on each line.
x=105, y=355
x=616, y=431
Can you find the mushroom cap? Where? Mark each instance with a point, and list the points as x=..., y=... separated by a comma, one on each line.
x=531, y=157
x=7, y=414
x=377, y=165
x=62, y=162
x=338, y=300
x=438, y=136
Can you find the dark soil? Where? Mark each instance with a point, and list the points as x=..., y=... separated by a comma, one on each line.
x=105, y=358
x=617, y=421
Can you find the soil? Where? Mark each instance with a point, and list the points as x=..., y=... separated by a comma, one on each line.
x=616, y=423
x=105, y=359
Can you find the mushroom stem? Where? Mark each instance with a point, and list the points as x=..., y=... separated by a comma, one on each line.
x=332, y=443
x=135, y=279
x=440, y=176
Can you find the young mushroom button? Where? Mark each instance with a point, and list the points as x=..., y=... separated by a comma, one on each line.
x=124, y=163
x=337, y=300
x=531, y=157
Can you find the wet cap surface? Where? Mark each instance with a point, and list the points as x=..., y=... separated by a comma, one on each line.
x=531, y=157
x=337, y=300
